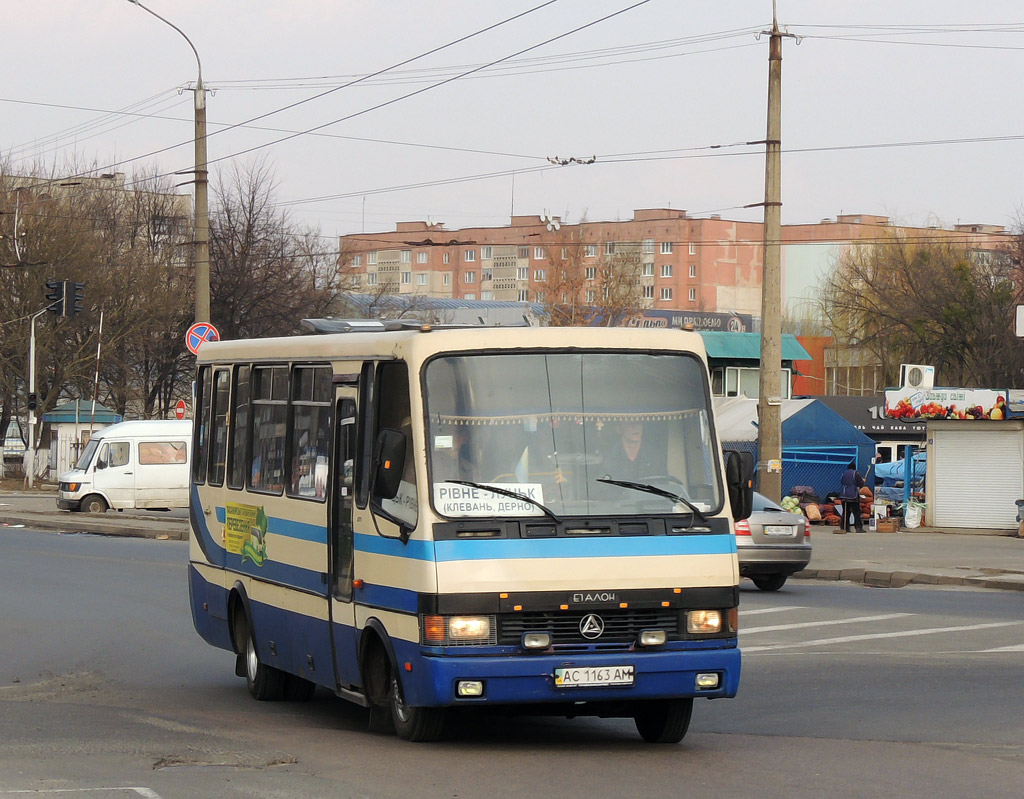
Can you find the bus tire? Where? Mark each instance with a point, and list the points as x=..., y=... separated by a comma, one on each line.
x=663, y=721
x=94, y=503
x=418, y=724
x=264, y=682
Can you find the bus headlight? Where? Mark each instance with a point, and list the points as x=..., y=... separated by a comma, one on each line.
x=704, y=621
x=469, y=628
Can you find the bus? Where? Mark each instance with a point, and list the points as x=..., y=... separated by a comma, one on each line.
x=424, y=519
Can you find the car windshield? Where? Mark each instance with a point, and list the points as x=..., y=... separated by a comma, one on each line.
x=550, y=426
x=87, y=453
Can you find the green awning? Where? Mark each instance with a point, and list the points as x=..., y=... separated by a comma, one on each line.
x=747, y=346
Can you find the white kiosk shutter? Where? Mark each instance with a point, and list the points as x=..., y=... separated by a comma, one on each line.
x=978, y=476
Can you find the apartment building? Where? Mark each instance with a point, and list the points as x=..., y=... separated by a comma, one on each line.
x=683, y=263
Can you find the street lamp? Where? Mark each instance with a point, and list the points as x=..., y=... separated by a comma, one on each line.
x=202, y=216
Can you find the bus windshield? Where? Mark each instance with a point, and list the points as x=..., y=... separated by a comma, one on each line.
x=552, y=427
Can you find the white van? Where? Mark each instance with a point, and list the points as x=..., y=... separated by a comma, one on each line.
x=131, y=465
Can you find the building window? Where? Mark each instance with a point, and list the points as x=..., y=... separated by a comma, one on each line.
x=565, y=253
x=469, y=295
x=486, y=274
x=446, y=258
x=609, y=248
x=693, y=295
x=666, y=248
x=371, y=257
x=538, y=253
x=540, y=275
x=524, y=252
x=744, y=381
x=371, y=278
x=590, y=273
x=469, y=255
x=486, y=295
x=649, y=292
x=693, y=248
x=648, y=270
x=357, y=260
x=446, y=279
x=539, y=296
x=591, y=295
x=666, y=270
x=523, y=295
x=647, y=247
x=406, y=278
x=486, y=253
x=406, y=256
x=666, y=293
x=693, y=270
x=591, y=251
x=421, y=278
x=470, y=277
x=523, y=273
x=421, y=257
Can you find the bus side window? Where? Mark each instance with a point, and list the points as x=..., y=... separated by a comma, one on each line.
x=201, y=423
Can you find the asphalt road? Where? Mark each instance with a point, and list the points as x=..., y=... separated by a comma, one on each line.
x=847, y=691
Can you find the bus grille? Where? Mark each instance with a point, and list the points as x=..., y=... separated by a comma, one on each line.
x=620, y=626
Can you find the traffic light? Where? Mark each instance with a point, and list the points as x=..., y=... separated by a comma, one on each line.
x=32, y=402
x=74, y=293
x=56, y=297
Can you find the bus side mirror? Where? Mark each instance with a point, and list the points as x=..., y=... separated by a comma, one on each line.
x=389, y=463
x=739, y=479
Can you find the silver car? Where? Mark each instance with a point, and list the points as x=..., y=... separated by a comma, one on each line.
x=772, y=544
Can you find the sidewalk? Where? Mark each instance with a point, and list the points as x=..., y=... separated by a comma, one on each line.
x=976, y=558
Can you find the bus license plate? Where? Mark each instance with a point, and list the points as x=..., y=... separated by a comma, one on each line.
x=778, y=530
x=583, y=677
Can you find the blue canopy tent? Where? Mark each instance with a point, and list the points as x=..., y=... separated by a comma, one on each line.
x=817, y=443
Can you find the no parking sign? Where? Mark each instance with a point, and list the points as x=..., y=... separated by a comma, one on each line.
x=199, y=333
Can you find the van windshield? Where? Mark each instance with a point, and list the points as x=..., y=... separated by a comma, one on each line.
x=87, y=453
x=552, y=426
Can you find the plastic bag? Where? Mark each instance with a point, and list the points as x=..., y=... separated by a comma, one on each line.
x=913, y=515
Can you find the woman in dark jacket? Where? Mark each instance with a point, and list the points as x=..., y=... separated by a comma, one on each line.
x=849, y=493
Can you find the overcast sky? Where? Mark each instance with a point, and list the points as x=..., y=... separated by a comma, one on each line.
x=908, y=109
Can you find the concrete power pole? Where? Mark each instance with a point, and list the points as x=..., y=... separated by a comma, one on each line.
x=769, y=431
x=202, y=223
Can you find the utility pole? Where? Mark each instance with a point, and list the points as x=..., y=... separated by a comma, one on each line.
x=769, y=404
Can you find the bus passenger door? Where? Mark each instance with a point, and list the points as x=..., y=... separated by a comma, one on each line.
x=340, y=536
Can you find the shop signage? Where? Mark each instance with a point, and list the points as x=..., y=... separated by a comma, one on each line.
x=946, y=403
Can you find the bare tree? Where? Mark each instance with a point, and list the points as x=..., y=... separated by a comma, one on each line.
x=267, y=273
x=934, y=302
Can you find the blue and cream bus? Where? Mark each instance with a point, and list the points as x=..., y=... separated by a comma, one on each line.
x=421, y=518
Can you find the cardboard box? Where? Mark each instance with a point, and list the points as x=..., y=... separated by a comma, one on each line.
x=889, y=525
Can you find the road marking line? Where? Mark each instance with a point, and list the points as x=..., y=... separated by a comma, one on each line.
x=147, y=793
x=1015, y=648
x=829, y=622
x=872, y=636
x=778, y=609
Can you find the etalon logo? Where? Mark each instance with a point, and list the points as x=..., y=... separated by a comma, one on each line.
x=591, y=626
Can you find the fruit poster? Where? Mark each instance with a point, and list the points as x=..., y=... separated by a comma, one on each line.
x=945, y=403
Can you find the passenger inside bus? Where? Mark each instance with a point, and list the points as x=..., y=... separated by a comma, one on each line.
x=630, y=456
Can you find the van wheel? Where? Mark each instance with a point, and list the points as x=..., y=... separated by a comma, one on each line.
x=94, y=503
x=663, y=721
x=417, y=724
x=264, y=682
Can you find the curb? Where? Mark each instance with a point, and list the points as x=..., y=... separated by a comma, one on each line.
x=173, y=531
x=877, y=578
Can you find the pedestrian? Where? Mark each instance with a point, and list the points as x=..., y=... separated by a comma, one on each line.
x=849, y=493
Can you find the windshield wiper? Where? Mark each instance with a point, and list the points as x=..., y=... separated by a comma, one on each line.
x=661, y=492
x=507, y=493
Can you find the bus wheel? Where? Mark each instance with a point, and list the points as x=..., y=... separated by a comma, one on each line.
x=663, y=721
x=264, y=682
x=413, y=723
x=94, y=503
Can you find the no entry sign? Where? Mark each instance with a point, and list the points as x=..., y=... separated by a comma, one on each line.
x=179, y=410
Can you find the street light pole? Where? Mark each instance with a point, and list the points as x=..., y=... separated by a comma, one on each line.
x=202, y=210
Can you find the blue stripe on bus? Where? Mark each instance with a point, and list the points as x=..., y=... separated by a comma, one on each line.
x=626, y=546
x=388, y=598
x=317, y=533
x=379, y=545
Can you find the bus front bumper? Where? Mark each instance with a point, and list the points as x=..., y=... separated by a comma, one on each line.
x=435, y=681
